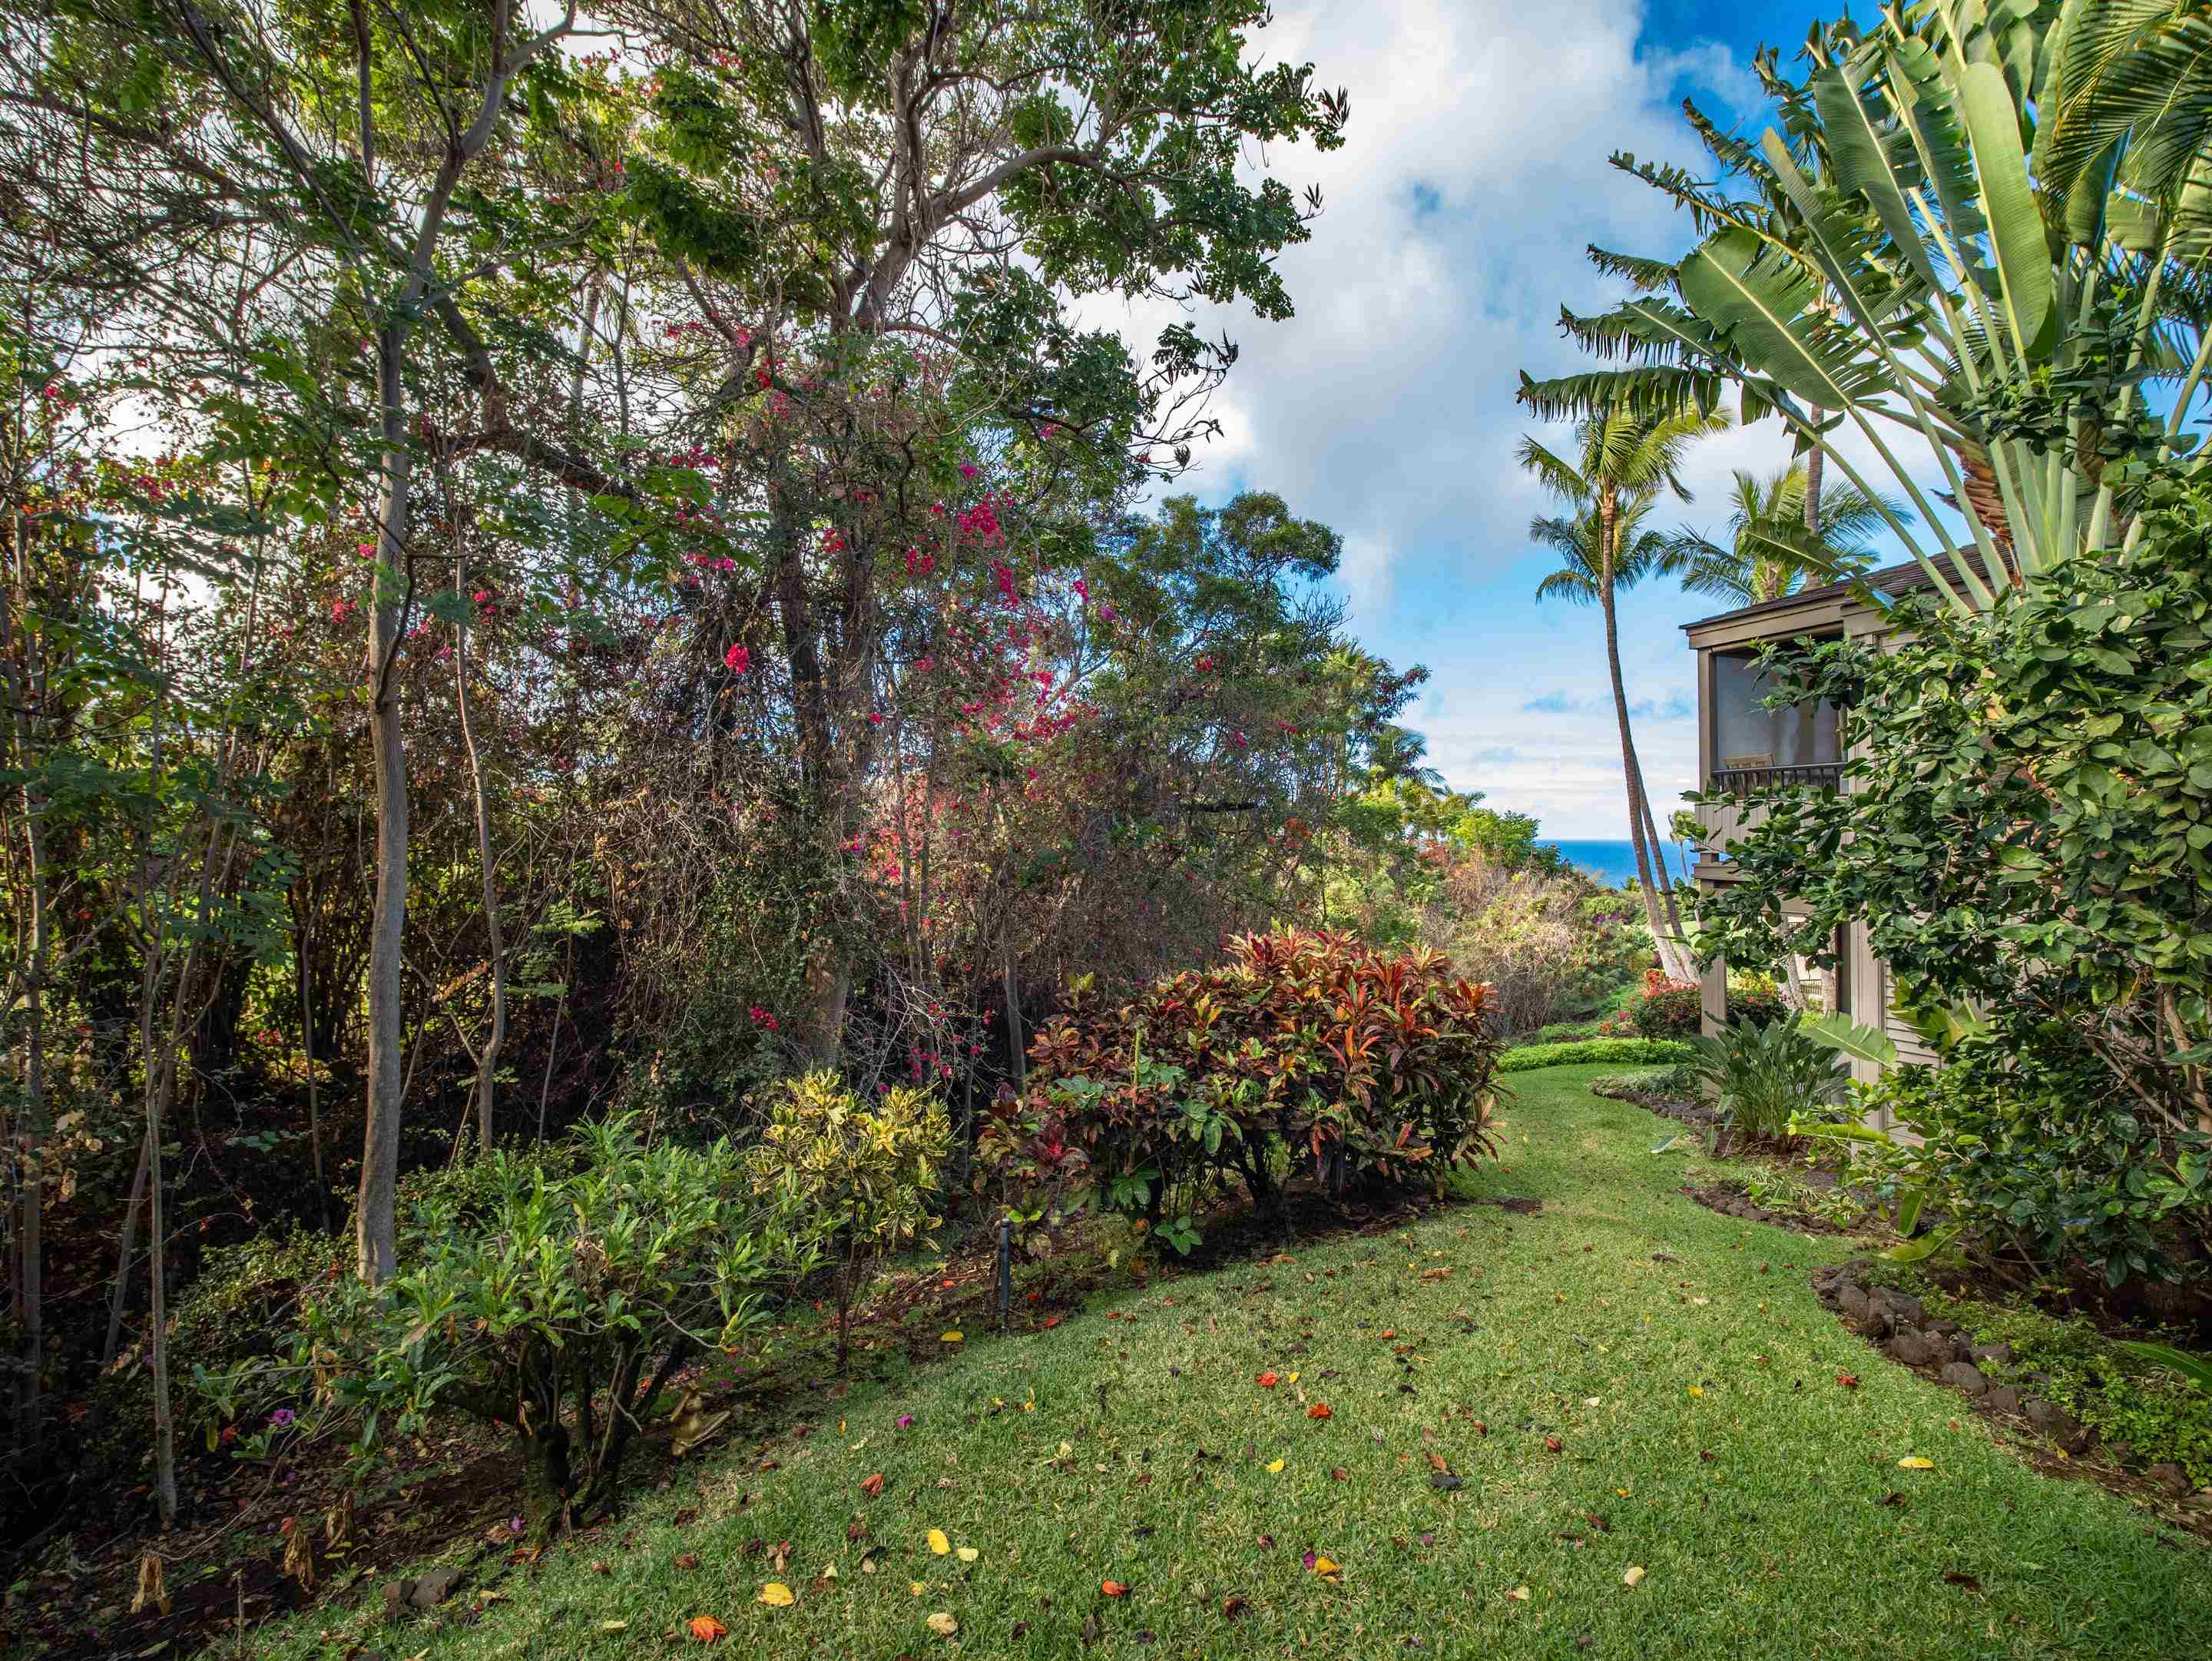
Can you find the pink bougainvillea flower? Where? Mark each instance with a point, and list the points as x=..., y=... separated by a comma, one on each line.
x=906, y=1421
x=967, y=470
x=1108, y=613
x=875, y=718
x=738, y=659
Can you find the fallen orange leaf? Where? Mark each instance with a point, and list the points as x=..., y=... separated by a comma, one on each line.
x=1319, y=1410
x=1113, y=1589
x=873, y=1484
x=1267, y=1380
x=707, y=1629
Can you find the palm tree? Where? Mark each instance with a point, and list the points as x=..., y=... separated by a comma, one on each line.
x=1624, y=459
x=1780, y=539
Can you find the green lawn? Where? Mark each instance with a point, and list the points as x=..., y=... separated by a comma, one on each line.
x=1695, y=1402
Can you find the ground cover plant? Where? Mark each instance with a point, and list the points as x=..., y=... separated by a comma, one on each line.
x=1619, y=1418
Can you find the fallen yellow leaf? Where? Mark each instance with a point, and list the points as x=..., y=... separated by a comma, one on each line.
x=942, y=1624
x=1519, y=1594
x=1634, y=1577
x=914, y=1588
x=614, y=1626
x=949, y=1338
x=776, y=1596
x=969, y=1554
x=1694, y=1390
x=1275, y=1468
x=1916, y=1462
x=1324, y=1566
x=938, y=1543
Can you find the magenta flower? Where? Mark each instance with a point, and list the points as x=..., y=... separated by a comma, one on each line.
x=906, y=1421
x=281, y=1419
x=738, y=659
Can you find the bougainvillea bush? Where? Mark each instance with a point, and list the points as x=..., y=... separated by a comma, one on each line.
x=1300, y=1050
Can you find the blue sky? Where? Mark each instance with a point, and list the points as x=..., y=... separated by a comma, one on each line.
x=1456, y=216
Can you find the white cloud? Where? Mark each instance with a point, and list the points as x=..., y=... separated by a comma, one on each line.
x=1457, y=213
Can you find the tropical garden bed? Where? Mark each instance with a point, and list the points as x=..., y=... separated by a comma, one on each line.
x=1523, y=1411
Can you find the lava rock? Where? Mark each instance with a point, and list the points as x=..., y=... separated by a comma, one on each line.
x=2060, y=1426
x=433, y=1588
x=1852, y=1300
x=1992, y=1356
x=1898, y=1310
x=1914, y=1349
x=2170, y=1477
x=1960, y=1375
x=2002, y=1399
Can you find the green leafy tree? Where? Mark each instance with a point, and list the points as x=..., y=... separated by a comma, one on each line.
x=841, y=190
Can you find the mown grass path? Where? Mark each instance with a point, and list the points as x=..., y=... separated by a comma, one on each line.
x=1694, y=1403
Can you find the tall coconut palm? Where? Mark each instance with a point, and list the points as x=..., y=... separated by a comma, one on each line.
x=1624, y=461
x=1779, y=540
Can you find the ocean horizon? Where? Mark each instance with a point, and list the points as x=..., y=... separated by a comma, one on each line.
x=1613, y=863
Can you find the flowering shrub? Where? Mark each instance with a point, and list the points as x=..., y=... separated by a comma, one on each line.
x=1301, y=1046
x=1669, y=1009
x=865, y=1175
x=556, y=1295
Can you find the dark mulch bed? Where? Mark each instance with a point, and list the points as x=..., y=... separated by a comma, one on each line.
x=1718, y=1196
x=1697, y=1115
x=1898, y=1327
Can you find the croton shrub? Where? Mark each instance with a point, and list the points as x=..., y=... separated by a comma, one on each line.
x=1302, y=1051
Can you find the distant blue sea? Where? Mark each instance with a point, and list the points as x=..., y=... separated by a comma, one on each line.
x=1614, y=863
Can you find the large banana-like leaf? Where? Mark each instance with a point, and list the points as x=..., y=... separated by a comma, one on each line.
x=1763, y=308
x=1867, y=160
x=2016, y=223
x=1839, y=1033
x=2197, y=1369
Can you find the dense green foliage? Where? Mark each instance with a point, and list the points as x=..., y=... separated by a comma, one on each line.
x=1761, y=1073
x=2029, y=837
x=2029, y=1153
x=555, y=1293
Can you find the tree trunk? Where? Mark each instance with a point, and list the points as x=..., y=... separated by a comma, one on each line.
x=1630, y=775
x=124, y=1253
x=1816, y=461
x=1017, y=1050
x=376, y=1247
x=157, y=1312
x=487, y=1059
x=314, y=1088
x=1669, y=904
x=30, y=1136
